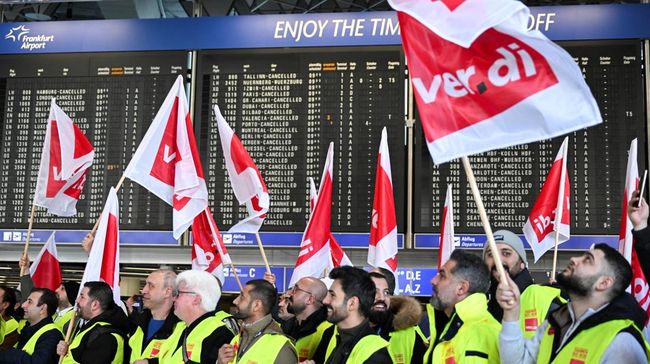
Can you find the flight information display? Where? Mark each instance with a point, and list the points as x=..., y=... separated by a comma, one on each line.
x=286, y=107
x=112, y=98
x=510, y=179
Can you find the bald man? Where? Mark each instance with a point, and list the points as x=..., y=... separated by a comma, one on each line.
x=305, y=301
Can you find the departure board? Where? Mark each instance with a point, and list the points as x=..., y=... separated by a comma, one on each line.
x=112, y=98
x=510, y=179
x=286, y=107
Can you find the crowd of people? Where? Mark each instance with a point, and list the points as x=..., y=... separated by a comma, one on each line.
x=584, y=316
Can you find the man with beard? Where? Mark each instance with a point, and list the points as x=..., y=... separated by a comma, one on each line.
x=471, y=335
x=305, y=301
x=195, y=339
x=536, y=300
x=395, y=319
x=348, y=304
x=156, y=323
x=101, y=339
x=599, y=324
x=260, y=339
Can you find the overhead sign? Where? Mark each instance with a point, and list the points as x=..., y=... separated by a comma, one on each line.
x=478, y=241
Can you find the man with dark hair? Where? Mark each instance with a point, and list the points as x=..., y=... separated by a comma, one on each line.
x=395, y=319
x=38, y=340
x=7, y=314
x=305, y=301
x=460, y=292
x=101, y=339
x=260, y=339
x=390, y=277
x=348, y=303
x=599, y=324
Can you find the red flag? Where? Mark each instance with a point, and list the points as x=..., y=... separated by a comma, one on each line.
x=45, y=270
x=104, y=259
x=65, y=159
x=208, y=250
x=551, y=210
x=167, y=161
x=382, y=247
x=478, y=72
x=245, y=179
x=337, y=255
x=446, y=229
x=314, y=256
x=626, y=240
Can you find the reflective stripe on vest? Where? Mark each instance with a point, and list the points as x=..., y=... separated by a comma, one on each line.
x=306, y=346
x=361, y=351
x=30, y=345
x=586, y=347
x=267, y=347
x=534, y=305
x=193, y=342
x=401, y=343
x=76, y=341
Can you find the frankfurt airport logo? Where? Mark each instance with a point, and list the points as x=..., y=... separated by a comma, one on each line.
x=21, y=34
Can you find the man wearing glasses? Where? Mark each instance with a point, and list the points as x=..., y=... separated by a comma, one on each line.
x=306, y=303
x=395, y=319
x=196, y=338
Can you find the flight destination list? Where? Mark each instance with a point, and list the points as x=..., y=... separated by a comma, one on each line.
x=510, y=179
x=286, y=108
x=112, y=98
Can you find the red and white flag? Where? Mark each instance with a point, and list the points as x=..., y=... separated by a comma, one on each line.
x=446, y=229
x=167, y=162
x=246, y=181
x=314, y=256
x=551, y=210
x=626, y=240
x=45, y=270
x=478, y=74
x=337, y=255
x=208, y=250
x=104, y=259
x=65, y=159
x=382, y=247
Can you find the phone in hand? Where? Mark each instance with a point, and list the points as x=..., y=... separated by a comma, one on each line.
x=645, y=176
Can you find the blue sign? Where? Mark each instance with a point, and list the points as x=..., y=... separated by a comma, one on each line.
x=478, y=241
x=293, y=239
x=246, y=273
x=614, y=21
x=76, y=236
x=415, y=281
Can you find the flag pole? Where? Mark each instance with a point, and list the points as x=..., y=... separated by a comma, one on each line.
x=557, y=238
x=69, y=331
x=484, y=219
x=259, y=244
x=117, y=188
x=29, y=234
x=234, y=273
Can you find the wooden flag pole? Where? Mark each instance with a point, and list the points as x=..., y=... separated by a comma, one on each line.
x=73, y=321
x=29, y=234
x=557, y=238
x=117, y=188
x=234, y=273
x=484, y=220
x=259, y=244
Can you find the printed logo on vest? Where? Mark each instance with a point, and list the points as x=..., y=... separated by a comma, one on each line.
x=530, y=320
x=156, y=349
x=450, y=358
x=579, y=356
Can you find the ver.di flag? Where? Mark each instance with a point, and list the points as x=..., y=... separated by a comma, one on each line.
x=208, y=250
x=45, y=270
x=104, y=259
x=447, y=229
x=626, y=240
x=167, y=162
x=483, y=81
x=337, y=255
x=551, y=210
x=245, y=179
x=382, y=247
x=314, y=256
x=65, y=159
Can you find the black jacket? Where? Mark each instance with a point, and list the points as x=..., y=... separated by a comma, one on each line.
x=523, y=279
x=98, y=346
x=142, y=320
x=44, y=351
x=211, y=344
x=297, y=331
x=345, y=342
x=642, y=248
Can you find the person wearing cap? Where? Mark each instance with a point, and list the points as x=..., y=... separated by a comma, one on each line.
x=537, y=300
